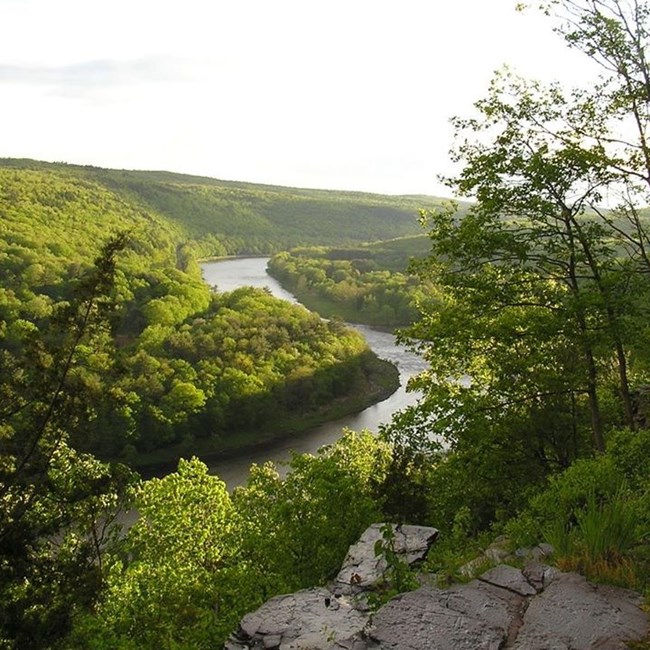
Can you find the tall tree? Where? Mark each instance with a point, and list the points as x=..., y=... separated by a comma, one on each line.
x=56, y=505
x=545, y=278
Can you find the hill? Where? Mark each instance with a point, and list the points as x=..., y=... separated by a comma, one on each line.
x=367, y=284
x=226, y=217
x=168, y=341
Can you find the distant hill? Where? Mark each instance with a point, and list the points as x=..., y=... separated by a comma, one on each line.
x=221, y=217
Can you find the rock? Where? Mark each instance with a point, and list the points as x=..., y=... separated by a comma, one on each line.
x=509, y=578
x=534, y=608
x=362, y=568
x=539, y=552
x=497, y=553
x=474, y=616
x=498, y=550
x=311, y=618
x=323, y=618
x=573, y=614
x=539, y=575
x=475, y=566
x=504, y=609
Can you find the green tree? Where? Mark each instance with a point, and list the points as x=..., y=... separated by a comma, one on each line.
x=196, y=560
x=544, y=288
x=56, y=504
x=298, y=529
x=165, y=586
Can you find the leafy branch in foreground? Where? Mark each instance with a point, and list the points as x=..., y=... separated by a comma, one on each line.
x=538, y=334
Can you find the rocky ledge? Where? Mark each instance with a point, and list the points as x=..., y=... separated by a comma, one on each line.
x=533, y=608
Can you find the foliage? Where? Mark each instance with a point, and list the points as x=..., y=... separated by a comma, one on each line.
x=398, y=577
x=596, y=514
x=299, y=528
x=197, y=560
x=117, y=359
x=57, y=506
x=177, y=367
x=246, y=361
x=163, y=589
x=532, y=311
x=367, y=284
x=536, y=332
x=216, y=218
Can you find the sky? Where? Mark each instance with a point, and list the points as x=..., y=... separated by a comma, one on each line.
x=336, y=94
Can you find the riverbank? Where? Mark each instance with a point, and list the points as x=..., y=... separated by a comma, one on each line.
x=348, y=313
x=381, y=380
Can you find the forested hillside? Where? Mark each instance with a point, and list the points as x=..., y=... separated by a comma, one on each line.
x=175, y=364
x=365, y=284
x=226, y=218
x=113, y=347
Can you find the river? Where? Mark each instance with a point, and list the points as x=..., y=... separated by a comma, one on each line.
x=230, y=274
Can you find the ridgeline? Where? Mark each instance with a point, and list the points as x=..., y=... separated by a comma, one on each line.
x=217, y=217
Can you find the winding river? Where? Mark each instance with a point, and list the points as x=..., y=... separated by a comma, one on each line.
x=230, y=274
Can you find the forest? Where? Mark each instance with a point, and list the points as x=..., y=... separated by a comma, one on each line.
x=529, y=302
x=370, y=284
x=176, y=367
x=216, y=218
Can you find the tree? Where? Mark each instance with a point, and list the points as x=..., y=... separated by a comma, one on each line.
x=56, y=504
x=298, y=529
x=543, y=284
x=196, y=561
x=166, y=584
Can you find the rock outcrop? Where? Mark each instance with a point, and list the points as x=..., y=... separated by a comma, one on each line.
x=311, y=618
x=321, y=617
x=363, y=568
x=533, y=608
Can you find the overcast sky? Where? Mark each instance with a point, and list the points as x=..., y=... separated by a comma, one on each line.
x=338, y=94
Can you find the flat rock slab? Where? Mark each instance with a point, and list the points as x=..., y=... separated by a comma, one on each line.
x=507, y=577
x=573, y=614
x=476, y=616
x=311, y=618
x=534, y=608
x=538, y=608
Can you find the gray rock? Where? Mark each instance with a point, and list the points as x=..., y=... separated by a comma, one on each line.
x=573, y=614
x=539, y=552
x=311, y=618
x=498, y=550
x=539, y=575
x=362, y=568
x=509, y=578
x=475, y=566
x=476, y=616
x=496, y=555
x=502, y=609
x=534, y=608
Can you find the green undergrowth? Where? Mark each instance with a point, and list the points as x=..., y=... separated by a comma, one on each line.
x=595, y=514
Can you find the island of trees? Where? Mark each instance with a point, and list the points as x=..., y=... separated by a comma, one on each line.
x=530, y=305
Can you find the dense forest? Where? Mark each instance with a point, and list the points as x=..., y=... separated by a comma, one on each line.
x=216, y=218
x=175, y=362
x=529, y=303
x=369, y=284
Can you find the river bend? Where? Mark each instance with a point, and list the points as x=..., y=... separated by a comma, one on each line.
x=227, y=275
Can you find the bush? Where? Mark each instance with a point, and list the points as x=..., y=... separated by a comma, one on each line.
x=596, y=514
